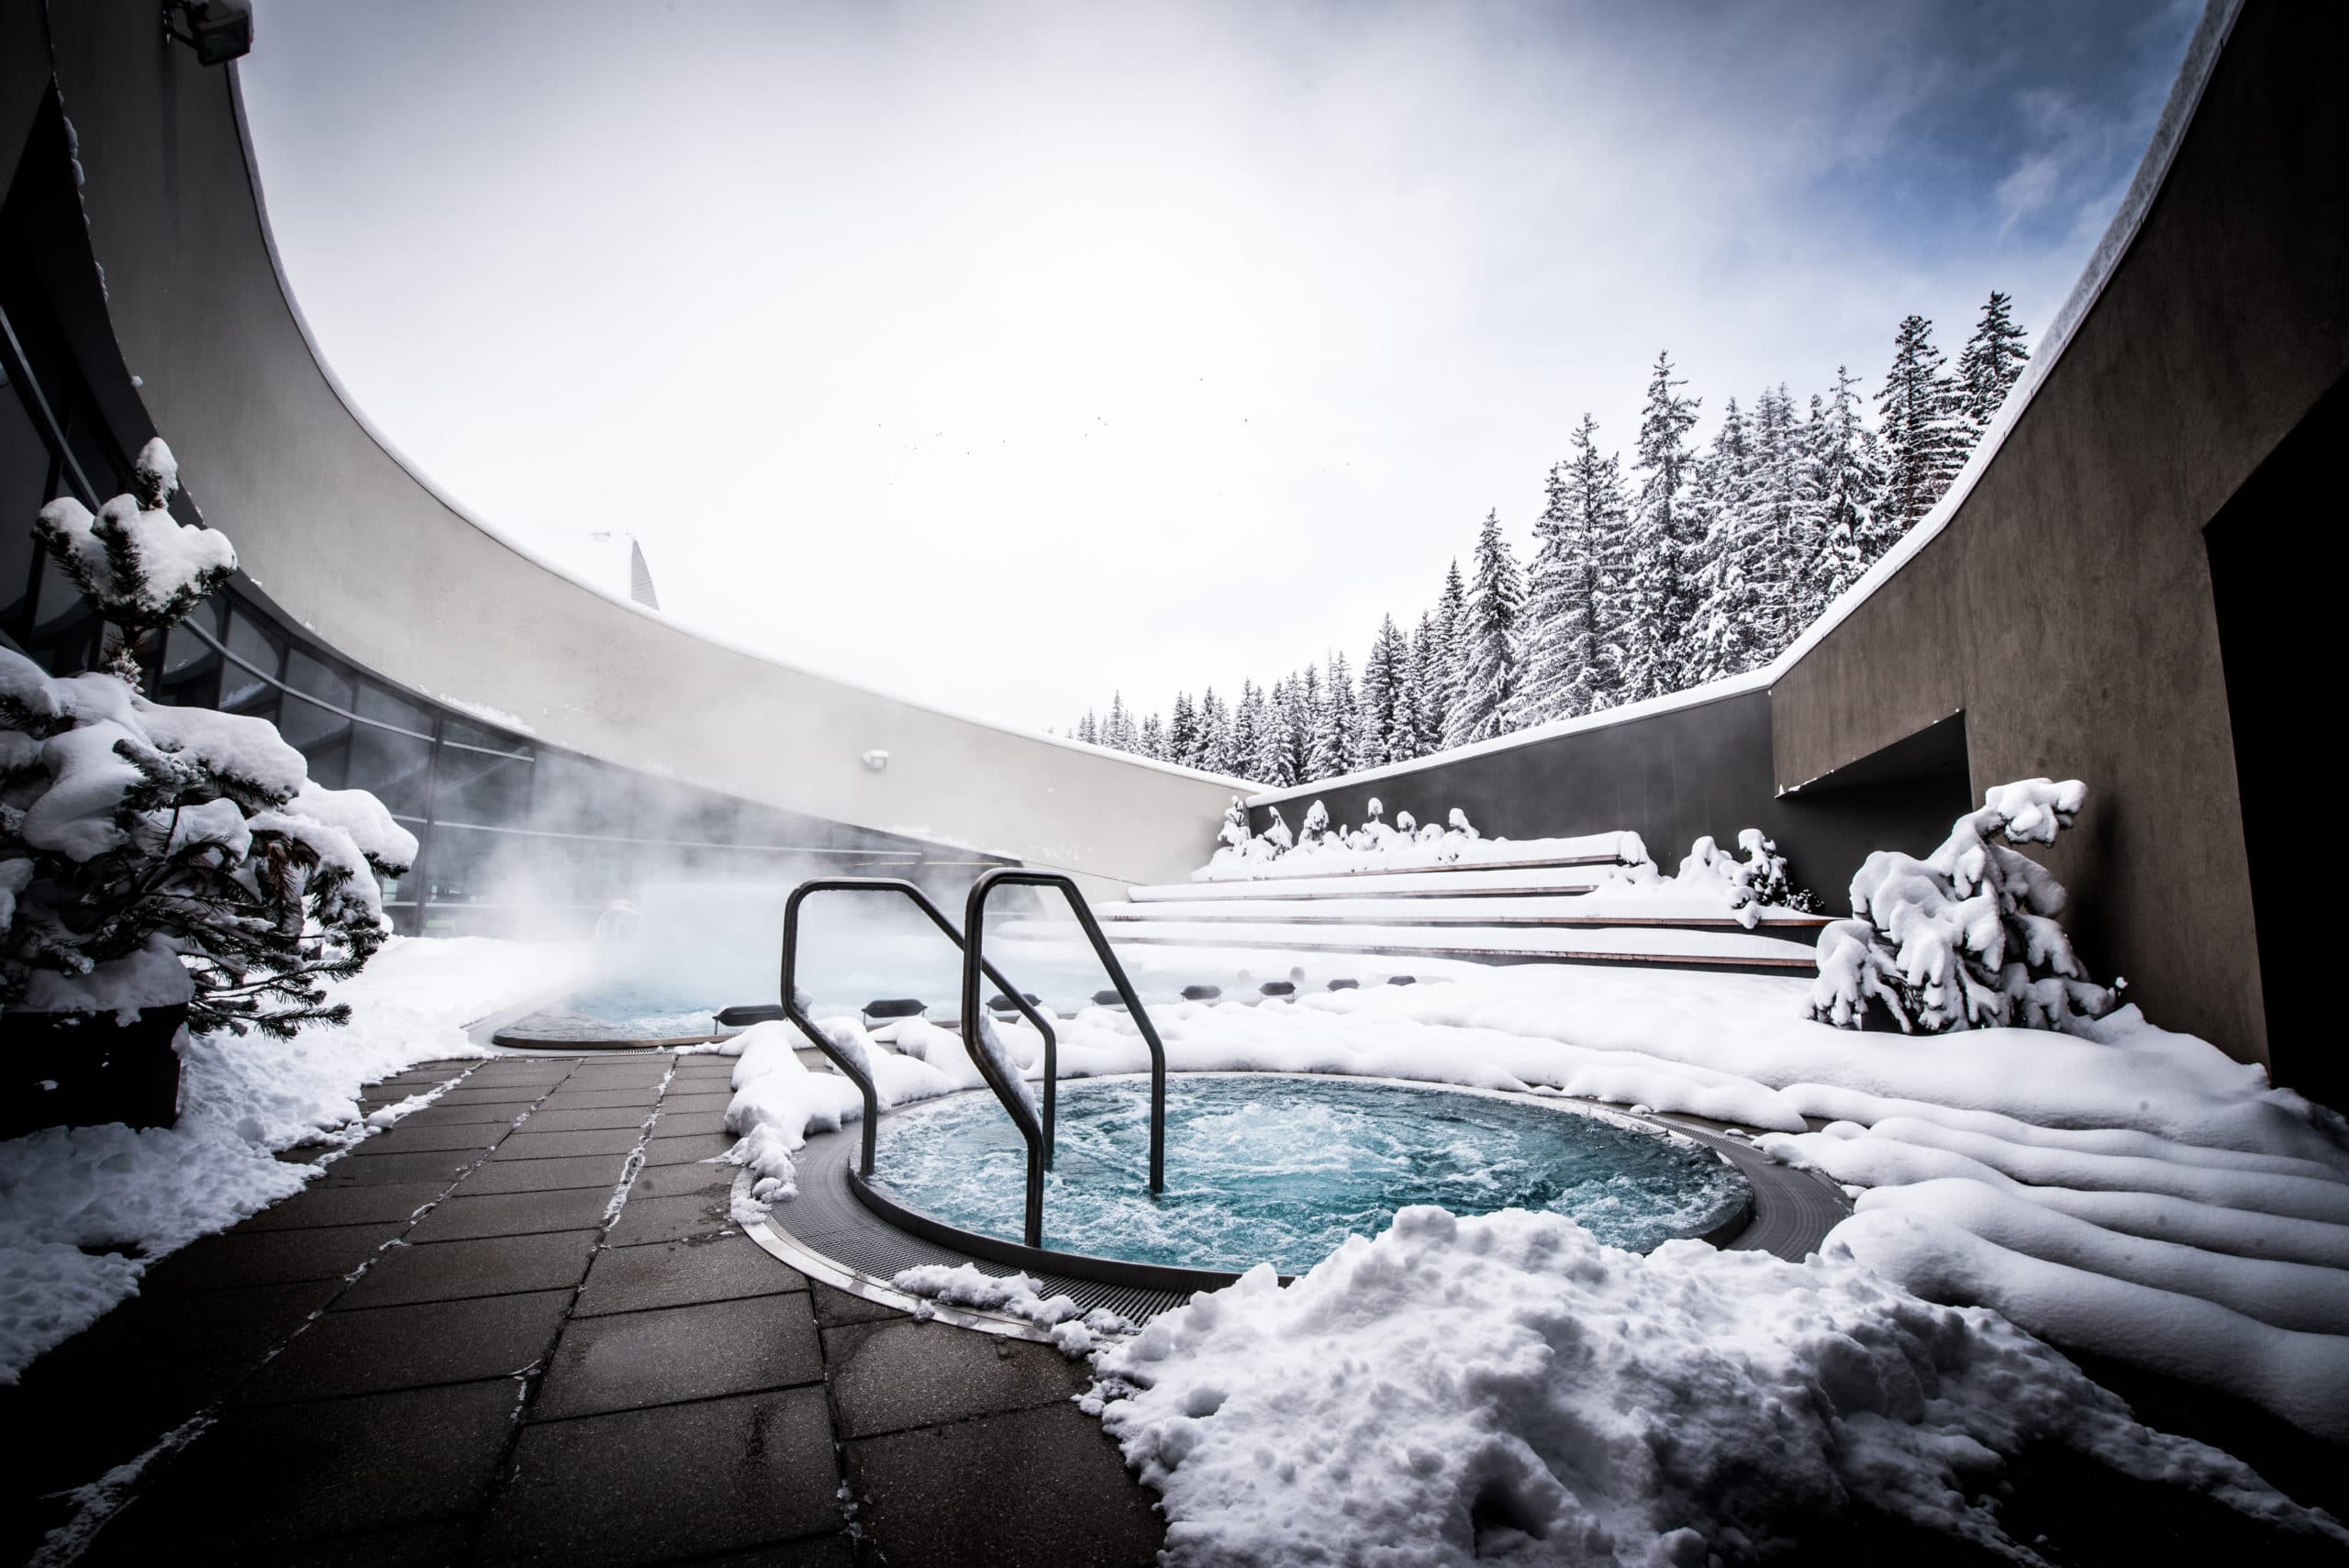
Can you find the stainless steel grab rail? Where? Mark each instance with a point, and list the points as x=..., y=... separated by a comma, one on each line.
x=974, y=962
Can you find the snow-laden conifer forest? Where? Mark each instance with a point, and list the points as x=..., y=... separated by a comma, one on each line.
x=1680, y=563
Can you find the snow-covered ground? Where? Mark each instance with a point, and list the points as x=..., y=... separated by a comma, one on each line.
x=151, y=1192
x=2132, y=1192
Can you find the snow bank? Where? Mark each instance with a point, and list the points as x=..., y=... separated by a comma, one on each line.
x=1457, y=1389
x=777, y=1102
x=1323, y=851
x=242, y=1099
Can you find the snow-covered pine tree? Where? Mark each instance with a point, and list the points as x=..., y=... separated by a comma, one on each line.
x=1303, y=713
x=1843, y=489
x=1774, y=543
x=1153, y=737
x=1661, y=591
x=1425, y=692
x=1924, y=441
x=1382, y=730
x=1451, y=617
x=1342, y=719
x=1276, y=764
x=1182, y=732
x=1990, y=366
x=1215, y=735
x=1720, y=503
x=1488, y=703
x=1562, y=585
x=1251, y=732
x=1089, y=728
x=1117, y=732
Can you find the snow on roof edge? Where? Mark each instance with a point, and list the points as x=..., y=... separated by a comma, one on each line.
x=457, y=510
x=2186, y=94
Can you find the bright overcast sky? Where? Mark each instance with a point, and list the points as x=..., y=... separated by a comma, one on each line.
x=999, y=356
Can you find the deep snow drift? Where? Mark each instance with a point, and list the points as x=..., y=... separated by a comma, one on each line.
x=1460, y=1390
x=241, y=1100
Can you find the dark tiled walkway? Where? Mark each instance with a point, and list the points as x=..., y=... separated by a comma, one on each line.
x=519, y=1327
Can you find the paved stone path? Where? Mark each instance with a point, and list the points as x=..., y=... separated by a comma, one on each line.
x=467, y=1343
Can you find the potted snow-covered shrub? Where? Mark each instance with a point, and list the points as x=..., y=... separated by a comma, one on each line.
x=162, y=868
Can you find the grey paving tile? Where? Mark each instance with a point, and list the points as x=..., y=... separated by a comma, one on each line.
x=681, y=1181
x=544, y=1175
x=236, y=1326
x=673, y=1218
x=673, y=1273
x=677, y=1482
x=834, y=1307
x=1039, y=1488
x=439, y=1113
x=888, y=1376
x=496, y=1265
x=834, y=1550
x=686, y=1123
x=265, y=1476
x=680, y=1099
x=429, y=1137
x=633, y=1076
x=513, y=1095
x=443, y=1166
x=267, y=1257
x=548, y=1119
x=322, y=1205
x=528, y=1145
x=464, y=1217
x=440, y=1541
x=568, y=1099
x=631, y=1359
x=411, y=1347
x=660, y=1151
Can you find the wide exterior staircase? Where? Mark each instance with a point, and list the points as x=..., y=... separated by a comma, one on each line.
x=1567, y=910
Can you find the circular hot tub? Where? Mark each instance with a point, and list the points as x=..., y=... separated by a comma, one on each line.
x=1280, y=1169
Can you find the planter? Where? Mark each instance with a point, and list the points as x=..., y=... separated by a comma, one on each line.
x=83, y=1069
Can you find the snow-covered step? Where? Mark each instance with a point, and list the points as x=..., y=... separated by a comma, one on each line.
x=1660, y=948
x=1441, y=852
x=1498, y=911
x=1549, y=879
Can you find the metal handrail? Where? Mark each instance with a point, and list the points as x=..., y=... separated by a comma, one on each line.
x=1039, y=1138
x=975, y=961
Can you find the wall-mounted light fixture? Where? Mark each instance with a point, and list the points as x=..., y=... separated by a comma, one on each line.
x=875, y=760
x=219, y=30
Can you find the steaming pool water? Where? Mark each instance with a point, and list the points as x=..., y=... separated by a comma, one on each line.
x=650, y=1004
x=1264, y=1168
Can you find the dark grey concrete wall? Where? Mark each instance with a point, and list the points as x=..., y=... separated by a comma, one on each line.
x=1670, y=777
x=2067, y=607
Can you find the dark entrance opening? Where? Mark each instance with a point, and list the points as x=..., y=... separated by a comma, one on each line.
x=1902, y=796
x=2269, y=603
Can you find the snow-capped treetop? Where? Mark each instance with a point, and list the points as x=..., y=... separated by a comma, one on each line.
x=141, y=567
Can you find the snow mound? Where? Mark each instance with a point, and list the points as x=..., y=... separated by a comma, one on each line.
x=1318, y=849
x=1504, y=1386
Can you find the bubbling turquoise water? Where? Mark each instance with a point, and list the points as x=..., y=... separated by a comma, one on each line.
x=1267, y=1168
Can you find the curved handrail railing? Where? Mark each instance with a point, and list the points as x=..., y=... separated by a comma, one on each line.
x=1038, y=1137
x=974, y=962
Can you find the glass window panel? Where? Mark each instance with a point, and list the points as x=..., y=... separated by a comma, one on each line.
x=24, y=482
x=397, y=769
x=329, y=760
x=185, y=648
x=58, y=598
x=313, y=676
x=387, y=707
x=305, y=725
x=253, y=641
x=464, y=734
x=475, y=786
